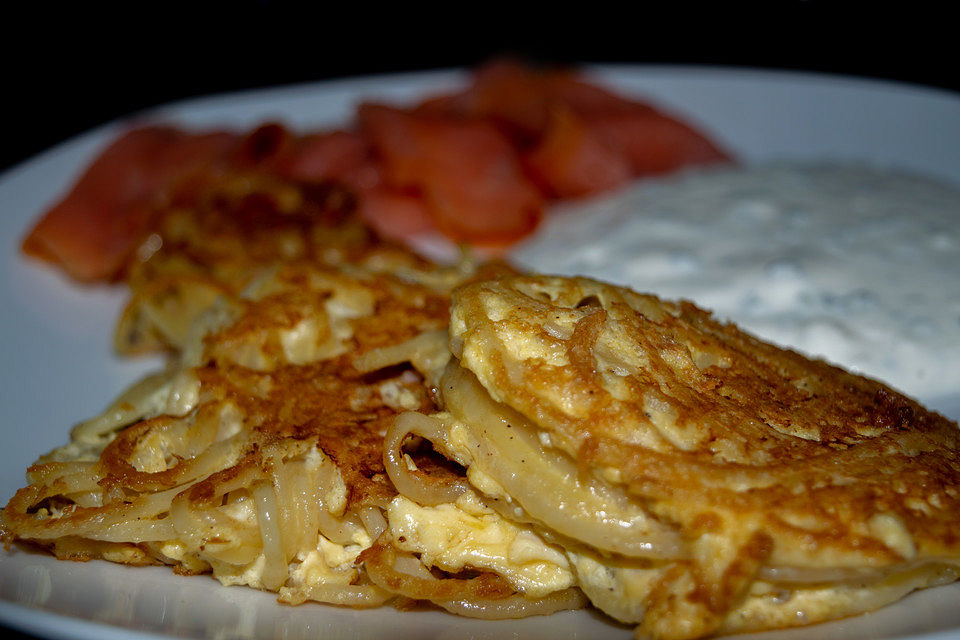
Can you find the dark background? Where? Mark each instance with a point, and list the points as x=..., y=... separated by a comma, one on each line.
x=69, y=69
x=66, y=70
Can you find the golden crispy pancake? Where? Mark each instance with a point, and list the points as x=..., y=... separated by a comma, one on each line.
x=262, y=434
x=223, y=223
x=295, y=337
x=258, y=454
x=218, y=237
x=768, y=465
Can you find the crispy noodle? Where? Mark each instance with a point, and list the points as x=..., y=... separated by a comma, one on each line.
x=486, y=595
x=517, y=606
x=201, y=468
x=302, y=441
x=546, y=484
x=428, y=353
x=414, y=483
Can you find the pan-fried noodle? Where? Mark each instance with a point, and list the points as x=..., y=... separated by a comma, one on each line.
x=255, y=455
x=427, y=353
x=323, y=430
x=411, y=482
x=516, y=606
x=485, y=596
x=546, y=484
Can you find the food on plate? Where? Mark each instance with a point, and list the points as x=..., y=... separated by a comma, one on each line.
x=295, y=334
x=232, y=227
x=353, y=435
x=92, y=231
x=341, y=420
x=697, y=479
x=260, y=436
x=477, y=165
x=847, y=261
x=467, y=173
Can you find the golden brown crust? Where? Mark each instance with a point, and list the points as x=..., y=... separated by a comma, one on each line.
x=283, y=395
x=758, y=455
x=694, y=412
x=223, y=224
x=751, y=456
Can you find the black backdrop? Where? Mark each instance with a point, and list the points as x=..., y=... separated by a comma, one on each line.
x=66, y=70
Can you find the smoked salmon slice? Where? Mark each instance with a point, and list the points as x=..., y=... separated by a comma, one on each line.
x=338, y=155
x=466, y=170
x=478, y=165
x=577, y=137
x=513, y=95
x=394, y=213
x=571, y=160
x=103, y=218
x=111, y=208
x=654, y=143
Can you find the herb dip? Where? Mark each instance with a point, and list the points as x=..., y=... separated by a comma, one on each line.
x=857, y=264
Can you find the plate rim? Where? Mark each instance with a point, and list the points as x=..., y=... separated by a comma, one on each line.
x=11, y=612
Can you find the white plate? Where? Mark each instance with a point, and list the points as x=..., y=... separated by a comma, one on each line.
x=57, y=367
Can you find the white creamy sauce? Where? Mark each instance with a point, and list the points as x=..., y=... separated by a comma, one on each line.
x=855, y=264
